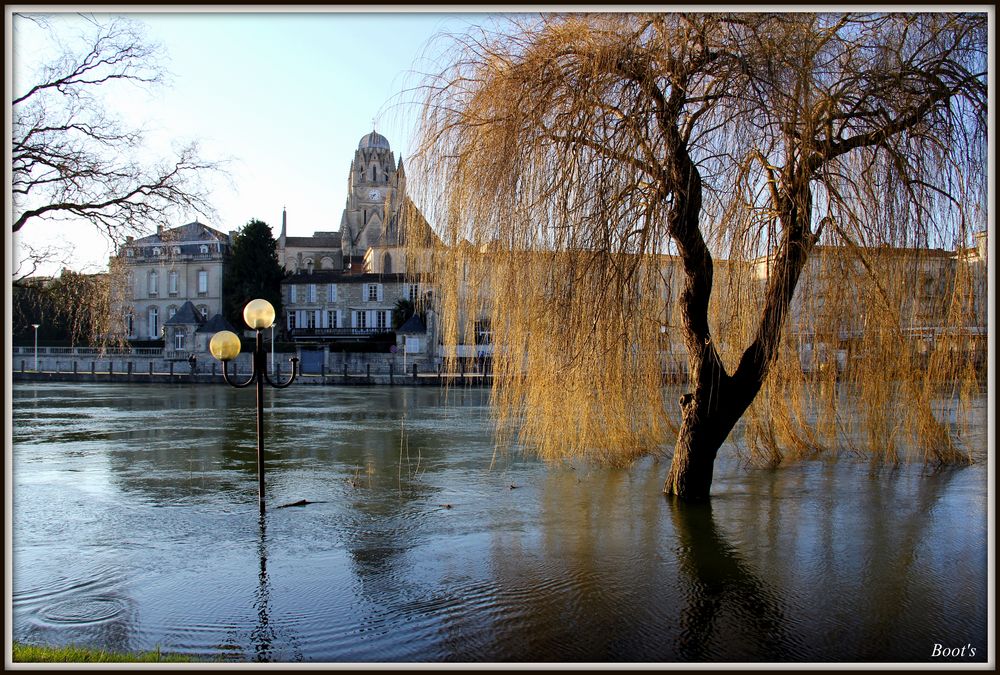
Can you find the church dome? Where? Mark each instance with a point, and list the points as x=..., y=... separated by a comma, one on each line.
x=373, y=140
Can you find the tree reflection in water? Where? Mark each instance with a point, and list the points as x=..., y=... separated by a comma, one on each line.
x=722, y=584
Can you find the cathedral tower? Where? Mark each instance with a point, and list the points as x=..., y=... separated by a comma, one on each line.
x=372, y=192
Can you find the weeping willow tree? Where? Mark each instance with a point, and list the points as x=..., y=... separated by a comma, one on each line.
x=74, y=309
x=612, y=191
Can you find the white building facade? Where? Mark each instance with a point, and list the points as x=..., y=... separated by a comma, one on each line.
x=166, y=270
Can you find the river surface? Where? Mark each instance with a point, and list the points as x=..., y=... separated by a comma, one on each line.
x=135, y=526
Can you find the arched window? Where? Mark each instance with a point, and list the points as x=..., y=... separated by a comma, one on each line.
x=326, y=263
x=204, y=248
x=176, y=250
x=387, y=263
x=373, y=172
x=156, y=251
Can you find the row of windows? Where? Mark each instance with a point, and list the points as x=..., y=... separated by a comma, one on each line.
x=172, y=281
x=307, y=293
x=176, y=250
x=335, y=318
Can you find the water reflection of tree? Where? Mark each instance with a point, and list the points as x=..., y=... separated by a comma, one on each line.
x=863, y=557
x=906, y=603
x=721, y=583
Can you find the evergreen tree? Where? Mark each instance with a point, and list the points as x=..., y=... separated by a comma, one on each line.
x=252, y=272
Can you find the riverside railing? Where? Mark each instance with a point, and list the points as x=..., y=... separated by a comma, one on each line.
x=89, y=351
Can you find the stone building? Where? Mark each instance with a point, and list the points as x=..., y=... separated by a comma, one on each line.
x=376, y=217
x=167, y=269
x=342, y=287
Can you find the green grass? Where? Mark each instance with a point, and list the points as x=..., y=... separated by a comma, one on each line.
x=72, y=654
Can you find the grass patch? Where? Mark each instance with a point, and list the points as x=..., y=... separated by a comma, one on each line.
x=73, y=654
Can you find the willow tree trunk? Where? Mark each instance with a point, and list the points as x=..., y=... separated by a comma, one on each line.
x=707, y=418
x=717, y=399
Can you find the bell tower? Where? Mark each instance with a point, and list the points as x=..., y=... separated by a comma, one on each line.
x=371, y=188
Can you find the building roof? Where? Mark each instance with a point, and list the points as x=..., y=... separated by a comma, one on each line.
x=412, y=326
x=191, y=232
x=373, y=140
x=320, y=240
x=216, y=324
x=186, y=315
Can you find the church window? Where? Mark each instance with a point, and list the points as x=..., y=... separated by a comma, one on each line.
x=387, y=264
x=373, y=173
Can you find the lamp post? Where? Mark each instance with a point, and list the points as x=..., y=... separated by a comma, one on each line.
x=35, y=326
x=225, y=346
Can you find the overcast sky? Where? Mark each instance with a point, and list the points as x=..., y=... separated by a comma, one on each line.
x=286, y=96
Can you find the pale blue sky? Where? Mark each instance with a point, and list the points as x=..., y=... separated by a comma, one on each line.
x=286, y=96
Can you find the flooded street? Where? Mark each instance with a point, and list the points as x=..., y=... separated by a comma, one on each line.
x=135, y=526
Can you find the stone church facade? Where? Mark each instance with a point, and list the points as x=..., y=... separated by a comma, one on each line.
x=342, y=287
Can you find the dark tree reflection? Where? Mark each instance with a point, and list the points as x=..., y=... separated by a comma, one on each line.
x=727, y=602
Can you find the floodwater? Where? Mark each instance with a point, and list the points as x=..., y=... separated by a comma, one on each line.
x=135, y=526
